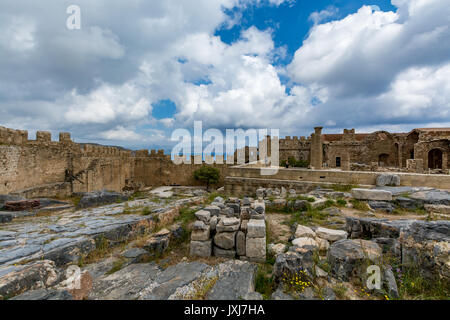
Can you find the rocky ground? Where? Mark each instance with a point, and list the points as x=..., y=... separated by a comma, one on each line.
x=112, y=246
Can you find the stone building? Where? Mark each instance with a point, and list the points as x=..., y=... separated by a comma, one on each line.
x=421, y=150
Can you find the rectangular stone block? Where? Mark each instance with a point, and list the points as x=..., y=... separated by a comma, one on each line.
x=230, y=254
x=255, y=248
x=225, y=240
x=201, y=248
x=240, y=243
x=371, y=194
x=256, y=228
x=213, y=210
x=200, y=234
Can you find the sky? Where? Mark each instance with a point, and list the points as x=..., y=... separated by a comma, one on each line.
x=137, y=70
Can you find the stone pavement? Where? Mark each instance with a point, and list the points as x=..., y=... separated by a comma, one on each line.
x=64, y=237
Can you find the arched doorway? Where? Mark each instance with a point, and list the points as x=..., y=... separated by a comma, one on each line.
x=435, y=159
x=383, y=159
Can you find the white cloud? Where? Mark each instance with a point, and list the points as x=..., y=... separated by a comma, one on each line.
x=17, y=33
x=107, y=104
x=320, y=16
x=120, y=134
x=369, y=69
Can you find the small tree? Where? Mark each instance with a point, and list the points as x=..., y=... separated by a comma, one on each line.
x=208, y=175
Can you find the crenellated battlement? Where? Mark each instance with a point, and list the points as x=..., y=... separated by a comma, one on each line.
x=14, y=137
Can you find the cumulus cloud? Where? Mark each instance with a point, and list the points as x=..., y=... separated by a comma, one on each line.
x=365, y=51
x=367, y=70
x=322, y=15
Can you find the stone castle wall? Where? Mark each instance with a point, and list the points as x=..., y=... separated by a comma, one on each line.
x=43, y=167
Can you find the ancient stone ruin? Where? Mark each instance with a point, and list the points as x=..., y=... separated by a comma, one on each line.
x=81, y=221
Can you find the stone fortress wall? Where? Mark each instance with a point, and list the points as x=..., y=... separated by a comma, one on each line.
x=43, y=167
x=420, y=151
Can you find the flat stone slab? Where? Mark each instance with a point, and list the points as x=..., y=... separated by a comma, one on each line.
x=236, y=283
x=305, y=242
x=371, y=194
x=65, y=236
x=331, y=234
x=303, y=231
x=162, y=192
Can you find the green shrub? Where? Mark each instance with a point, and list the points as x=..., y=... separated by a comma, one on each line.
x=264, y=282
x=208, y=175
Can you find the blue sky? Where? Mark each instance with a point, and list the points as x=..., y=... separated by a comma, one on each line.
x=137, y=71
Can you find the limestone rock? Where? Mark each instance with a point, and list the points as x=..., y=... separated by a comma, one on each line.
x=390, y=283
x=201, y=248
x=98, y=198
x=244, y=224
x=388, y=179
x=158, y=243
x=256, y=229
x=381, y=205
x=331, y=234
x=375, y=228
x=320, y=273
x=230, y=254
x=437, y=208
x=136, y=255
x=240, y=243
x=225, y=240
x=292, y=262
x=303, y=231
x=323, y=244
x=346, y=257
x=219, y=199
x=213, y=223
x=213, y=210
x=305, y=242
x=277, y=249
x=44, y=294
x=221, y=227
x=256, y=249
x=371, y=194
x=37, y=275
x=203, y=215
x=200, y=234
x=200, y=225
x=236, y=283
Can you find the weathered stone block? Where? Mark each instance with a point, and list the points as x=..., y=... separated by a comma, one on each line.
x=371, y=194
x=305, y=242
x=223, y=228
x=201, y=248
x=213, y=223
x=230, y=254
x=331, y=234
x=225, y=240
x=256, y=248
x=203, y=215
x=213, y=210
x=388, y=179
x=200, y=235
x=256, y=228
x=303, y=231
x=240, y=243
x=346, y=257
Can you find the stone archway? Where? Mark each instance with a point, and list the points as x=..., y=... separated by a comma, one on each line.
x=435, y=159
x=383, y=160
